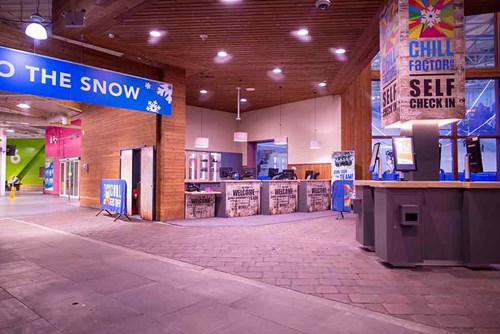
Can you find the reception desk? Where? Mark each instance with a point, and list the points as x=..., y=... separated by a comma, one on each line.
x=199, y=204
x=431, y=223
x=315, y=195
x=239, y=198
x=279, y=196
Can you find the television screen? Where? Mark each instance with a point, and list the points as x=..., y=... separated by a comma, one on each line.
x=11, y=150
x=272, y=172
x=404, y=154
x=309, y=174
x=474, y=149
x=373, y=160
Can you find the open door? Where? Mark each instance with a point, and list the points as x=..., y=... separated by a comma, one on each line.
x=126, y=173
x=147, y=183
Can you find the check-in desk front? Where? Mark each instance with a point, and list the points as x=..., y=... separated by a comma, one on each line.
x=315, y=195
x=239, y=198
x=430, y=223
x=199, y=204
x=279, y=197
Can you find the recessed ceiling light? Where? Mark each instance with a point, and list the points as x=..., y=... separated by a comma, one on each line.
x=277, y=70
x=322, y=84
x=155, y=33
x=10, y=131
x=250, y=89
x=203, y=91
x=222, y=54
x=24, y=105
x=302, y=32
x=340, y=51
x=243, y=100
x=24, y=123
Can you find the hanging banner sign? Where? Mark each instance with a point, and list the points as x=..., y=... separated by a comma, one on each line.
x=48, y=182
x=26, y=73
x=343, y=176
x=113, y=197
x=422, y=60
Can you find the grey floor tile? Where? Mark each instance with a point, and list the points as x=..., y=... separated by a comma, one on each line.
x=116, y=283
x=87, y=272
x=4, y=294
x=39, y=326
x=297, y=312
x=204, y=317
x=14, y=313
x=9, y=257
x=157, y=299
x=17, y=267
x=27, y=277
x=348, y=323
x=252, y=325
x=135, y=325
x=224, y=291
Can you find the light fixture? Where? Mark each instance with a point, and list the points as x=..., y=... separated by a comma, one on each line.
x=201, y=142
x=239, y=136
x=10, y=131
x=277, y=70
x=243, y=100
x=250, y=89
x=281, y=140
x=314, y=144
x=203, y=91
x=322, y=84
x=155, y=33
x=340, y=51
x=35, y=29
x=222, y=54
x=24, y=106
x=302, y=32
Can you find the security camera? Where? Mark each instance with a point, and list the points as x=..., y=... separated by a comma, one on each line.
x=323, y=4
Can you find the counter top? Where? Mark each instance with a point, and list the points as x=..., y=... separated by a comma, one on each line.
x=196, y=193
x=428, y=184
x=297, y=181
x=319, y=180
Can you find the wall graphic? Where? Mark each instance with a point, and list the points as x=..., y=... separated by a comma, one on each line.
x=423, y=60
x=48, y=183
x=283, y=197
x=200, y=206
x=242, y=199
x=318, y=196
x=27, y=163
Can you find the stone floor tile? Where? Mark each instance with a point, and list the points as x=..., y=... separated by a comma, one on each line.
x=454, y=321
x=4, y=294
x=14, y=313
x=204, y=317
x=27, y=277
x=38, y=326
x=87, y=272
x=135, y=325
x=253, y=325
x=13, y=268
x=224, y=291
x=410, y=309
x=116, y=283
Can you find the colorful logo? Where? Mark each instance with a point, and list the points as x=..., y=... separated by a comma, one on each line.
x=431, y=19
x=389, y=26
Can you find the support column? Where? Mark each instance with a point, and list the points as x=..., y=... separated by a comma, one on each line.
x=171, y=142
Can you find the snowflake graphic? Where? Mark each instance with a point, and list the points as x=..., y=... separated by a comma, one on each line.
x=153, y=106
x=147, y=85
x=431, y=16
x=165, y=90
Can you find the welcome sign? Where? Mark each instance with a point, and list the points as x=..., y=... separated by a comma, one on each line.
x=423, y=61
x=27, y=73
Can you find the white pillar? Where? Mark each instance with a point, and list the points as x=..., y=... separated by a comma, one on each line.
x=3, y=161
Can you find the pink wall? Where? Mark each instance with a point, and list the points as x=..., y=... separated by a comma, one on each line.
x=67, y=145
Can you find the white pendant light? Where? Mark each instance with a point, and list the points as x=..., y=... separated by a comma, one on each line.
x=35, y=29
x=201, y=142
x=314, y=144
x=239, y=136
x=281, y=140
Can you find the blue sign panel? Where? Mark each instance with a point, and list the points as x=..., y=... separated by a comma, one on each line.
x=27, y=73
x=113, y=196
x=341, y=195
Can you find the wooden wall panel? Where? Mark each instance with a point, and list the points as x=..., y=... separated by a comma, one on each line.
x=105, y=132
x=356, y=121
x=325, y=170
x=171, y=134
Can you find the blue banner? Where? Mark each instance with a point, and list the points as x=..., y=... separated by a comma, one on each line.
x=341, y=195
x=26, y=73
x=113, y=196
x=48, y=182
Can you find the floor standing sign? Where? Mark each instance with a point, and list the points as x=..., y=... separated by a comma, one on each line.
x=343, y=168
x=113, y=197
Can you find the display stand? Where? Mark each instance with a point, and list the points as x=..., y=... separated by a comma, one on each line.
x=113, y=197
x=111, y=215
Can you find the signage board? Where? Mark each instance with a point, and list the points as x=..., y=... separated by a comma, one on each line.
x=27, y=73
x=422, y=61
x=283, y=197
x=200, y=206
x=343, y=176
x=318, y=196
x=113, y=196
x=242, y=199
x=48, y=183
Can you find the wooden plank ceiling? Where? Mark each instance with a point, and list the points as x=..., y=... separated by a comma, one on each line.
x=257, y=34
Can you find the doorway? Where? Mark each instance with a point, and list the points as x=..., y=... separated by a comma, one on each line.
x=70, y=178
x=137, y=168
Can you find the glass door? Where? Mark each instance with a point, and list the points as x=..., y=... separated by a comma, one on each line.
x=62, y=178
x=70, y=178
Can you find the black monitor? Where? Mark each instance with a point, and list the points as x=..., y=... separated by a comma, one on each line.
x=272, y=172
x=374, y=158
x=289, y=174
x=404, y=154
x=316, y=175
x=225, y=172
x=10, y=150
x=474, y=150
x=309, y=174
x=248, y=173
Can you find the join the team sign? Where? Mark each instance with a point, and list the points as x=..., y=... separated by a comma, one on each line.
x=27, y=73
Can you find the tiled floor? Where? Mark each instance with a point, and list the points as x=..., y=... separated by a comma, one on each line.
x=317, y=257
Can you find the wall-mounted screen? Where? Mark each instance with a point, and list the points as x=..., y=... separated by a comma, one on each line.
x=404, y=154
x=10, y=150
x=474, y=150
x=373, y=160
